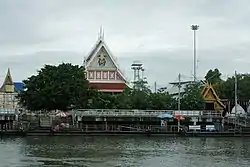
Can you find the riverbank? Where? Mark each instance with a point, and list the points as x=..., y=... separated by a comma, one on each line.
x=127, y=133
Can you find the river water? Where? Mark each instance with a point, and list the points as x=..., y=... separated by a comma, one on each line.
x=124, y=152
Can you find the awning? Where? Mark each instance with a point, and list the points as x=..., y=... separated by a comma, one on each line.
x=165, y=116
x=61, y=114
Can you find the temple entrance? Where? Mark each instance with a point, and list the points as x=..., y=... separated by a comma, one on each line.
x=209, y=106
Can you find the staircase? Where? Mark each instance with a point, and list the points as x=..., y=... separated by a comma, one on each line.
x=45, y=122
x=218, y=126
x=239, y=121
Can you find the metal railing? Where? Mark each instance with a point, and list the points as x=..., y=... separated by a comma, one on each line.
x=143, y=113
x=8, y=111
x=211, y=114
x=238, y=120
x=122, y=113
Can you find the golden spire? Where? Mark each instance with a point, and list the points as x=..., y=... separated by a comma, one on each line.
x=8, y=78
x=8, y=84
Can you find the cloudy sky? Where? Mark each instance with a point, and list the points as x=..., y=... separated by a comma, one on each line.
x=156, y=32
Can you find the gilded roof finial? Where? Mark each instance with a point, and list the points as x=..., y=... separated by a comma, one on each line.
x=7, y=80
x=101, y=33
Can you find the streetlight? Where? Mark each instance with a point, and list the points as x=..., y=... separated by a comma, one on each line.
x=195, y=28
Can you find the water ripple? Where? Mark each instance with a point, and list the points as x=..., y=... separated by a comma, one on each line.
x=124, y=152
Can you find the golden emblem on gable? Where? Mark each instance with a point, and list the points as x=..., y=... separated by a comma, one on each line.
x=102, y=59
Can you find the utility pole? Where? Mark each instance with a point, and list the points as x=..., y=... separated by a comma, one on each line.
x=235, y=91
x=195, y=28
x=235, y=96
x=155, y=88
x=179, y=100
x=179, y=92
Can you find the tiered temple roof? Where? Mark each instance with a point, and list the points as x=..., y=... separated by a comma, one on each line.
x=102, y=71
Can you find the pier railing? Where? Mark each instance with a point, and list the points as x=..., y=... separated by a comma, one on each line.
x=144, y=113
x=8, y=111
x=122, y=113
x=243, y=121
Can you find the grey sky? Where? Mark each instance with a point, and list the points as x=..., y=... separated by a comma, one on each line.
x=157, y=32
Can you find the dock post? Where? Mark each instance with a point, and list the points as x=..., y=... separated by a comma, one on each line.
x=222, y=124
x=106, y=124
x=166, y=125
x=86, y=127
x=179, y=124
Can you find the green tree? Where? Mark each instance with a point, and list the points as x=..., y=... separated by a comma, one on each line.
x=56, y=87
x=112, y=101
x=213, y=76
x=139, y=99
x=192, y=98
x=136, y=98
x=162, y=101
x=124, y=99
x=105, y=101
x=243, y=82
x=142, y=85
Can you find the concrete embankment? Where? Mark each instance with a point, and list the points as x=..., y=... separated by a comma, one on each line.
x=126, y=133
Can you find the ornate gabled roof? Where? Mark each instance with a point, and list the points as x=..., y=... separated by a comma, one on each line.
x=98, y=43
x=94, y=49
x=7, y=81
x=208, y=87
x=94, y=52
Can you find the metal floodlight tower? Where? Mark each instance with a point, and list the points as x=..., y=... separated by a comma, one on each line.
x=138, y=71
x=142, y=74
x=195, y=28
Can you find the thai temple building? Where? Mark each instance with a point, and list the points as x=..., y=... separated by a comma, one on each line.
x=9, y=91
x=102, y=71
x=9, y=108
x=214, y=103
x=212, y=100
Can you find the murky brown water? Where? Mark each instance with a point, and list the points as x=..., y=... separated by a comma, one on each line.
x=124, y=152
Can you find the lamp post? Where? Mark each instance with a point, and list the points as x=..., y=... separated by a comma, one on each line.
x=195, y=28
x=235, y=99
